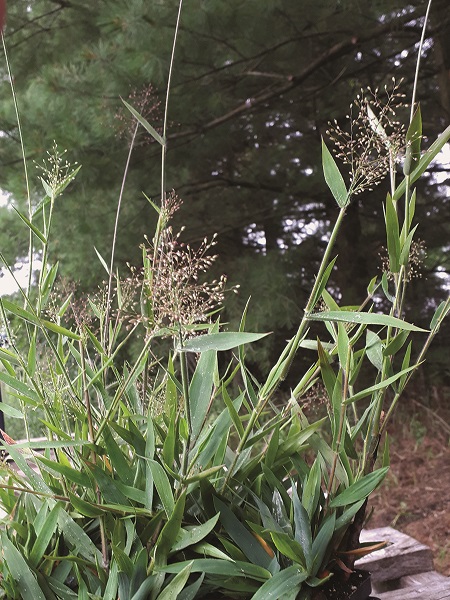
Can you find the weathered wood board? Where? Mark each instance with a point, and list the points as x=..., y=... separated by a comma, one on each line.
x=402, y=556
x=404, y=569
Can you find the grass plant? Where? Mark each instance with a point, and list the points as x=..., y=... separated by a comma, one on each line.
x=179, y=476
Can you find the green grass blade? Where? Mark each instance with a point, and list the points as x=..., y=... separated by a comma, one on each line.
x=285, y=581
x=163, y=487
x=189, y=537
x=45, y=535
x=221, y=341
x=176, y=585
x=333, y=177
x=360, y=489
x=152, y=131
x=424, y=161
x=363, y=318
x=200, y=390
x=20, y=571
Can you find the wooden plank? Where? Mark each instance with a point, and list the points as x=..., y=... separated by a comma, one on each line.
x=437, y=591
x=428, y=578
x=403, y=555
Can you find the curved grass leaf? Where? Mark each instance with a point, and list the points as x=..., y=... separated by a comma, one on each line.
x=21, y=573
x=200, y=390
x=333, y=177
x=321, y=542
x=172, y=591
x=163, y=486
x=152, y=131
x=31, y=226
x=360, y=489
x=45, y=535
x=245, y=540
x=289, y=547
x=424, y=161
x=221, y=341
x=285, y=581
x=379, y=386
x=189, y=537
x=363, y=318
x=227, y=568
x=10, y=411
x=302, y=526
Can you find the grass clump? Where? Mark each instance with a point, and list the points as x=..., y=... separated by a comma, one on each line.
x=178, y=476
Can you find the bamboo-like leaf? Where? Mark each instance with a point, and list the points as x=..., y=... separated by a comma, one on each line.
x=85, y=508
x=108, y=486
x=360, y=489
x=117, y=459
x=174, y=588
x=287, y=580
x=363, y=318
x=424, y=161
x=200, y=390
x=189, y=537
x=323, y=282
x=206, y=474
x=374, y=349
x=170, y=532
x=10, y=411
x=73, y=475
x=102, y=260
x=405, y=251
x=289, y=547
x=348, y=515
x=20, y=571
x=311, y=489
x=76, y=536
x=233, y=412
x=163, y=486
x=333, y=177
x=226, y=568
x=220, y=341
x=439, y=314
x=392, y=235
x=343, y=345
x=327, y=373
x=413, y=142
x=379, y=386
x=396, y=343
x=245, y=540
x=321, y=542
x=190, y=592
x=302, y=527
x=152, y=131
x=61, y=330
x=45, y=535
x=49, y=280
x=31, y=226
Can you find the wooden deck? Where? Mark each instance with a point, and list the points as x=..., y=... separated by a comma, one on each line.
x=403, y=570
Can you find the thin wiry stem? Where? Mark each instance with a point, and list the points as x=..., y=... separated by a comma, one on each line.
x=25, y=168
x=419, y=56
x=113, y=247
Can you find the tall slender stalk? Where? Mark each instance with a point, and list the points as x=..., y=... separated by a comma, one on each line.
x=25, y=168
x=114, y=240
x=419, y=56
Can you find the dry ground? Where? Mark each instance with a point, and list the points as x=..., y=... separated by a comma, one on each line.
x=415, y=497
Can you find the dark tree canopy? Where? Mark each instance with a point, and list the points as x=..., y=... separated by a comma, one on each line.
x=255, y=84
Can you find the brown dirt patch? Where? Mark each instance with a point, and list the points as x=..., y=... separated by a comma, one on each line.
x=415, y=497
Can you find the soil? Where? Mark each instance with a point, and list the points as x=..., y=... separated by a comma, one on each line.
x=415, y=495
x=356, y=588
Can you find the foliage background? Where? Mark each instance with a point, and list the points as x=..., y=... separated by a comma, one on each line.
x=254, y=87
